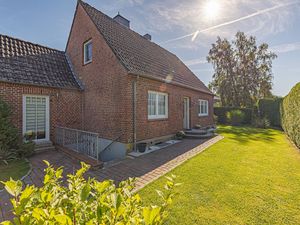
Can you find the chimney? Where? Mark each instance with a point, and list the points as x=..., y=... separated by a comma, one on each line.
x=122, y=20
x=147, y=36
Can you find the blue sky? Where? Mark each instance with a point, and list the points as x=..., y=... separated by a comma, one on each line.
x=272, y=21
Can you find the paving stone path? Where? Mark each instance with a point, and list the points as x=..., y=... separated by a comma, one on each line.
x=145, y=168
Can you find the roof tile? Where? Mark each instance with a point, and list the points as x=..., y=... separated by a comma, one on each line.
x=28, y=63
x=141, y=56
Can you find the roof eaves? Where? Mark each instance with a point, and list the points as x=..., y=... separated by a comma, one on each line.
x=76, y=78
x=168, y=82
x=39, y=85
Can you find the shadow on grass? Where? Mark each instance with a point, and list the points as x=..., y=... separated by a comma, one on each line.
x=245, y=134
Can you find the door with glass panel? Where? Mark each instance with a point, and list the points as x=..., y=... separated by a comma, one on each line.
x=36, y=118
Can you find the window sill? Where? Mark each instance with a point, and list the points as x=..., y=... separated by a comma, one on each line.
x=88, y=62
x=202, y=115
x=157, y=119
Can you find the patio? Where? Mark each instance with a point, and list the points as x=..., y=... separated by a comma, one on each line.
x=145, y=168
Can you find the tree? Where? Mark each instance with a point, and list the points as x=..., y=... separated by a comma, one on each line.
x=243, y=70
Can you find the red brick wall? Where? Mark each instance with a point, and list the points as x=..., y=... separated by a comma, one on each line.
x=108, y=107
x=65, y=105
x=104, y=79
x=147, y=129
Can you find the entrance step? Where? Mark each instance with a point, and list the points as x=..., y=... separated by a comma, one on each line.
x=200, y=133
x=44, y=146
x=199, y=136
x=195, y=132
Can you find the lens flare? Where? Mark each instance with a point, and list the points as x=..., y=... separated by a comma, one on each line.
x=212, y=9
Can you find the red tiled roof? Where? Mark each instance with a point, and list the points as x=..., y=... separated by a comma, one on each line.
x=27, y=63
x=141, y=56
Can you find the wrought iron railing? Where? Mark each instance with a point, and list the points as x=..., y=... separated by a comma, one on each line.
x=83, y=142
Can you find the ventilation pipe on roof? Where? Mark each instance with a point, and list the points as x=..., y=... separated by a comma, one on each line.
x=122, y=20
x=147, y=36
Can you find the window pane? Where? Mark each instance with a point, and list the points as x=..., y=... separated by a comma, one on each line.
x=203, y=107
x=161, y=105
x=151, y=104
x=88, y=52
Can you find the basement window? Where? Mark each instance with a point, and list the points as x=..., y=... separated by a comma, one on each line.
x=87, y=52
x=157, y=105
x=203, y=107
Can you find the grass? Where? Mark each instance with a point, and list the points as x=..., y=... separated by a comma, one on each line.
x=15, y=169
x=252, y=176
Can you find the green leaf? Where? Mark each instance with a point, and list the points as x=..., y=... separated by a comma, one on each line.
x=63, y=219
x=6, y=223
x=13, y=187
x=85, y=192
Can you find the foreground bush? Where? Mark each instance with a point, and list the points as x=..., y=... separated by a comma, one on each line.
x=11, y=145
x=290, y=114
x=9, y=140
x=221, y=114
x=235, y=117
x=84, y=201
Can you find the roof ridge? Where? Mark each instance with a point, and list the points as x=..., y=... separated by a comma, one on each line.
x=28, y=42
x=136, y=33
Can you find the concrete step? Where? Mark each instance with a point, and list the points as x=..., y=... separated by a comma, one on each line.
x=44, y=146
x=199, y=136
x=195, y=132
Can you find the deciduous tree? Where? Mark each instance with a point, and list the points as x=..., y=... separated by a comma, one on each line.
x=242, y=70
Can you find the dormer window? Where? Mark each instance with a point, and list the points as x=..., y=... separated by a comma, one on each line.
x=87, y=52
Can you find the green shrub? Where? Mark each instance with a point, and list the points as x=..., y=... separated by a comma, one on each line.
x=235, y=117
x=270, y=109
x=261, y=122
x=9, y=139
x=221, y=113
x=290, y=114
x=84, y=201
x=26, y=149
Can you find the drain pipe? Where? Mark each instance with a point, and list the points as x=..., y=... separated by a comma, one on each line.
x=134, y=112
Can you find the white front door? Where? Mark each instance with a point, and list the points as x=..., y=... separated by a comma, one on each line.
x=186, y=113
x=36, y=117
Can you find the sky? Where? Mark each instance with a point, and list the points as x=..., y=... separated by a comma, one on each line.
x=186, y=28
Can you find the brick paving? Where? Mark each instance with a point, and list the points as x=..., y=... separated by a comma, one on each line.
x=145, y=168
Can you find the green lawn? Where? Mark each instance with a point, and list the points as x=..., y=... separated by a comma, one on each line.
x=250, y=177
x=15, y=169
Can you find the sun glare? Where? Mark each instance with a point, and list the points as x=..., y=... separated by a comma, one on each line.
x=212, y=9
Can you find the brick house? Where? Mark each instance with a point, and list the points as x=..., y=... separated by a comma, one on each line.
x=110, y=80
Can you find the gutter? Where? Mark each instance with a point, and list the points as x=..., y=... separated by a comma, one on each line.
x=169, y=82
x=134, y=99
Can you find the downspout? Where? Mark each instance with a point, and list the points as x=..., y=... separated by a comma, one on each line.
x=134, y=99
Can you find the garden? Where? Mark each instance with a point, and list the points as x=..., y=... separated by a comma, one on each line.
x=252, y=176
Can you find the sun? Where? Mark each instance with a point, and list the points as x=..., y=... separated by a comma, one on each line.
x=212, y=9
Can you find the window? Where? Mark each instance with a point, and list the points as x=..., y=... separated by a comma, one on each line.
x=87, y=52
x=157, y=105
x=203, y=108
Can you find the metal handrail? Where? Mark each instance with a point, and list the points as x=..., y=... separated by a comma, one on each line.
x=80, y=141
x=78, y=130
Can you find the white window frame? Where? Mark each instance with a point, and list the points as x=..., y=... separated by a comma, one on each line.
x=47, y=138
x=157, y=116
x=201, y=101
x=84, y=52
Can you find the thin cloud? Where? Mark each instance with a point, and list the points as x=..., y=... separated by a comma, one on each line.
x=284, y=48
x=193, y=62
x=260, y=12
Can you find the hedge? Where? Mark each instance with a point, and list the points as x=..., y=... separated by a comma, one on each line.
x=221, y=113
x=290, y=114
x=269, y=108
